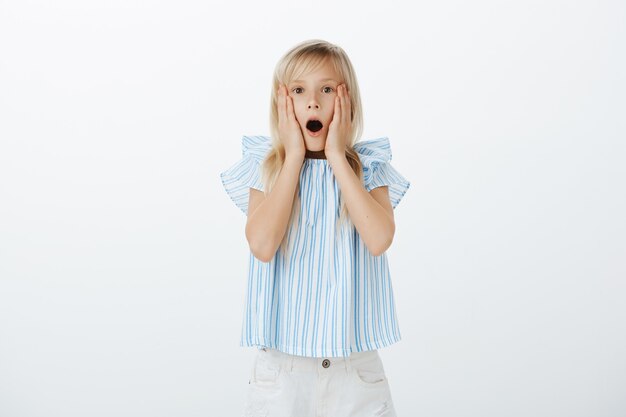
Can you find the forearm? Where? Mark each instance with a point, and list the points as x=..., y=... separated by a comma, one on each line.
x=267, y=225
x=370, y=219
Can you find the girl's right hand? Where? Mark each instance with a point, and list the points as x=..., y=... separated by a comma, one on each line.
x=288, y=127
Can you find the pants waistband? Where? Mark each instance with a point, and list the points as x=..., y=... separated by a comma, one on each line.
x=306, y=363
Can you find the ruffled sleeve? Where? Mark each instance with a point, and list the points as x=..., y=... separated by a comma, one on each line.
x=375, y=155
x=246, y=173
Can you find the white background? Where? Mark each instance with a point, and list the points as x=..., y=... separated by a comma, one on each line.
x=123, y=261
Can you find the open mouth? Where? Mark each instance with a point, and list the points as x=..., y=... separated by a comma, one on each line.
x=314, y=125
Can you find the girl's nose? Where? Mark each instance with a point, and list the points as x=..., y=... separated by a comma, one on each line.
x=314, y=105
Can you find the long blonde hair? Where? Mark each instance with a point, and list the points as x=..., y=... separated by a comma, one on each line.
x=299, y=60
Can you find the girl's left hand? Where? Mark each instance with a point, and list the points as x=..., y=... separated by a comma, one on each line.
x=341, y=125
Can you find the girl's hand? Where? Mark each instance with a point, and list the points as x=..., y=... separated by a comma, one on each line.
x=341, y=125
x=288, y=127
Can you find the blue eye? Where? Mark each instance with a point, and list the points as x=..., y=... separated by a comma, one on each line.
x=331, y=89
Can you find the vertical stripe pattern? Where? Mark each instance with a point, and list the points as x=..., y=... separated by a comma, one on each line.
x=328, y=296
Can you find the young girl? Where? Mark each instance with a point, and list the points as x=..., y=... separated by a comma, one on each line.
x=319, y=206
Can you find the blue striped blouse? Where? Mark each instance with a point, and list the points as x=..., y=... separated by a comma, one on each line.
x=328, y=296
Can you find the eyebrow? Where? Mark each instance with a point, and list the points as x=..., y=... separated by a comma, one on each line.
x=325, y=79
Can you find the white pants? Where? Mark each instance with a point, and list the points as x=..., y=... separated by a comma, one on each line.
x=284, y=385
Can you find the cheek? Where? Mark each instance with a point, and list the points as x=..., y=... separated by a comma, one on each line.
x=297, y=102
x=332, y=104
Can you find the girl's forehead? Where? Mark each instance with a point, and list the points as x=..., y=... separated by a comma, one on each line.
x=318, y=77
x=323, y=71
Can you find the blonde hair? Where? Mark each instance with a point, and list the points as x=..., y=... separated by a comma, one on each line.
x=299, y=60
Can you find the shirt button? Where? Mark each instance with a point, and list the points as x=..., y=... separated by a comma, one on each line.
x=325, y=363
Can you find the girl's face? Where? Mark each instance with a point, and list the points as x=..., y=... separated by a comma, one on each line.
x=313, y=98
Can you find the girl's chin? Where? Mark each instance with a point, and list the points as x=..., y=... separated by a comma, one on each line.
x=319, y=135
x=317, y=143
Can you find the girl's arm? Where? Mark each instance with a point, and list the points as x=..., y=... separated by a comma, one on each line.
x=371, y=213
x=268, y=215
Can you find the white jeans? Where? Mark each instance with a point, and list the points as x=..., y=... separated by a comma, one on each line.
x=284, y=385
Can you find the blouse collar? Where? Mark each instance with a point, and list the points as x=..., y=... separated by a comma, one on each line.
x=315, y=154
